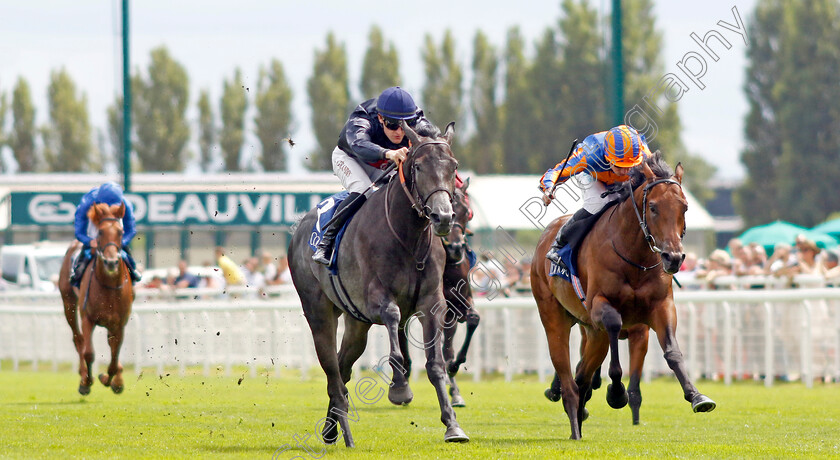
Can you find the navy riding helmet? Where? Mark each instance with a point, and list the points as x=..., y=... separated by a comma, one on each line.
x=109, y=193
x=396, y=103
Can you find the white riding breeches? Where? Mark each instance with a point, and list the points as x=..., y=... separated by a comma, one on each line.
x=356, y=176
x=592, y=190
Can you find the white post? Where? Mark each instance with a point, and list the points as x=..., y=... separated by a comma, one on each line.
x=693, y=361
x=769, y=373
x=727, y=343
x=807, y=347
x=509, y=358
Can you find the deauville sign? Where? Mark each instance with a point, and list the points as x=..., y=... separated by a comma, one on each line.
x=178, y=208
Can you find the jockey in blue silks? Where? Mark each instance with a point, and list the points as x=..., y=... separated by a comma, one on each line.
x=111, y=194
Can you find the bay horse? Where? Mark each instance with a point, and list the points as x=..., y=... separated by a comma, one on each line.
x=458, y=294
x=390, y=266
x=625, y=264
x=104, y=298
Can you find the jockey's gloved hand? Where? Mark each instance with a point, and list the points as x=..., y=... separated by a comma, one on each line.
x=547, y=197
x=397, y=156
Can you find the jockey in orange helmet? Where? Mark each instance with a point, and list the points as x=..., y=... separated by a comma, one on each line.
x=605, y=159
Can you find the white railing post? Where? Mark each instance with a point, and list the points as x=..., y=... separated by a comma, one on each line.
x=693, y=361
x=509, y=358
x=807, y=347
x=727, y=343
x=769, y=373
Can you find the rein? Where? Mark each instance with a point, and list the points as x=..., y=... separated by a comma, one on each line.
x=642, y=218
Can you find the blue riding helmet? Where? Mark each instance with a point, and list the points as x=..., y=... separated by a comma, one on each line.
x=109, y=193
x=396, y=103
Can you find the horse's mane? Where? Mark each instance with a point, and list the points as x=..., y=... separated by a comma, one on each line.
x=427, y=130
x=657, y=164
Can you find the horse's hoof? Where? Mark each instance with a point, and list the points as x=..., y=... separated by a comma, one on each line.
x=455, y=434
x=330, y=436
x=458, y=401
x=117, y=389
x=618, y=398
x=552, y=396
x=103, y=379
x=585, y=415
x=400, y=396
x=703, y=403
x=84, y=390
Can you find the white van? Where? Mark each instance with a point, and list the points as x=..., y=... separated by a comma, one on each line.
x=32, y=266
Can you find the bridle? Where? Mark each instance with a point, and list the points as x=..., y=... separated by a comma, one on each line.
x=642, y=218
x=100, y=254
x=418, y=203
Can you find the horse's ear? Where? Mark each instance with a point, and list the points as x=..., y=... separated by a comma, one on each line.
x=647, y=171
x=448, y=132
x=118, y=211
x=466, y=184
x=412, y=135
x=94, y=214
x=678, y=172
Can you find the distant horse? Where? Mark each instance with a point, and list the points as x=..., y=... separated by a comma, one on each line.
x=458, y=294
x=104, y=298
x=390, y=267
x=619, y=266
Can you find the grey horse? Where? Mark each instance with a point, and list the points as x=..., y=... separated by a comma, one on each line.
x=390, y=268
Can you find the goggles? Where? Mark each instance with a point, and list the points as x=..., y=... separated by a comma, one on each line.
x=394, y=124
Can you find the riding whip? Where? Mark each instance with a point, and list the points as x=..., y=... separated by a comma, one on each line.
x=571, y=150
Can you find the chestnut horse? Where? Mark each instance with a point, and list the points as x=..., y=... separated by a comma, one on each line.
x=458, y=294
x=105, y=296
x=625, y=264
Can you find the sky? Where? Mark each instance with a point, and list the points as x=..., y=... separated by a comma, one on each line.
x=211, y=38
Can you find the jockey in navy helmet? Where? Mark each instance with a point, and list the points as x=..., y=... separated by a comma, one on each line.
x=111, y=194
x=370, y=140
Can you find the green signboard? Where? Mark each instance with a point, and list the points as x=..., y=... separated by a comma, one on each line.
x=178, y=208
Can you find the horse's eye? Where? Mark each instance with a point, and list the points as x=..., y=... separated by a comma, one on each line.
x=653, y=209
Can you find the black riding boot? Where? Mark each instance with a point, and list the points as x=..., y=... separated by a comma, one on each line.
x=325, y=248
x=79, y=267
x=132, y=265
x=568, y=228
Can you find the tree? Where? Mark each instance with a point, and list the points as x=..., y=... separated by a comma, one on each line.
x=381, y=66
x=642, y=49
x=22, y=139
x=115, y=131
x=808, y=115
x=545, y=83
x=67, y=136
x=756, y=199
x=207, y=135
x=483, y=153
x=233, y=106
x=582, y=107
x=517, y=114
x=797, y=99
x=274, y=116
x=159, y=113
x=442, y=91
x=329, y=97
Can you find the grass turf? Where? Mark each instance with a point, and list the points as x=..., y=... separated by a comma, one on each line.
x=168, y=416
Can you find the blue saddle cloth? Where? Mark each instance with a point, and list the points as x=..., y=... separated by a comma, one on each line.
x=568, y=270
x=326, y=209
